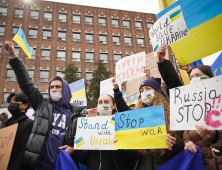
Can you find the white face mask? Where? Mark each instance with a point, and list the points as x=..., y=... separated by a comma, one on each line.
x=104, y=110
x=147, y=97
x=197, y=79
x=56, y=96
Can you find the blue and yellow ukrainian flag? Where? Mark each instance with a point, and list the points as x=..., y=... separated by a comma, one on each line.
x=203, y=20
x=146, y=128
x=155, y=49
x=20, y=39
x=175, y=15
x=79, y=142
x=112, y=121
x=77, y=89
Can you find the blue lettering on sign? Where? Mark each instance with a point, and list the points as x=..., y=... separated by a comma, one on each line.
x=216, y=67
x=86, y=125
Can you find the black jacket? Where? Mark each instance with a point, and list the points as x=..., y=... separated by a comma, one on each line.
x=22, y=135
x=169, y=75
x=108, y=160
x=43, y=116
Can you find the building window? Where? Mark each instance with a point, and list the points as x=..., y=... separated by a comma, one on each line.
x=102, y=21
x=61, y=55
x=2, y=30
x=61, y=35
x=151, y=43
x=14, y=30
x=89, y=57
x=48, y=16
x=128, y=41
x=115, y=23
x=89, y=38
x=62, y=17
x=6, y=94
x=10, y=75
x=76, y=19
x=44, y=76
x=140, y=41
x=138, y=25
x=78, y=74
x=76, y=37
x=19, y=13
x=126, y=24
x=33, y=54
x=116, y=40
x=149, y=25
x=76, y=56
x=89, y=76
x=16, y=50
x=104, y=57
x=45, y=54
x=102, y=39
x=60, y=74
x=32, y=33
x=117, y=57
x=46, y=34
x=3, y=10
x=89, y=20
x=34, y=14
x=31, y=73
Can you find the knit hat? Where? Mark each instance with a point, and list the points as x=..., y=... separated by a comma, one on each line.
x=153, y=82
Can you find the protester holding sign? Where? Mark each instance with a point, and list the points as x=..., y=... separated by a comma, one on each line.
x=55, y=118
x=107, y=159
x=202, y=137
x=18, y=106
x=150, y=91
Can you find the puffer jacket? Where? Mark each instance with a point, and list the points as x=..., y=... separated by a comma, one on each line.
x=171, y=79
x=43, y=117
x=153, y=159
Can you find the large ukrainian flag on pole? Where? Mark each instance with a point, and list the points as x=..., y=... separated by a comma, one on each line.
x=204, y=22
x=20, y=39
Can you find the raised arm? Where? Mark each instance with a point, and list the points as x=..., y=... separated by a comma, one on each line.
x=26, y=83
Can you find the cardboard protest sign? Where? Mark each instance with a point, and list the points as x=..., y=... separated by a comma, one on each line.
x=201, y=42
x=95, y=133
x=196, y=104
x=141, y=128
x=132, y=86
x=216, y=67
x=78, y=93
x=130, y=67
x=92, y=112
x=168, y=29
x=106, y=87
x=7, y=137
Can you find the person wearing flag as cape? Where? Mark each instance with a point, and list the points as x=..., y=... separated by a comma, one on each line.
x=55, y=117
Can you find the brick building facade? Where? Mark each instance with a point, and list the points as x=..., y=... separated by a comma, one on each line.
x=62, y=33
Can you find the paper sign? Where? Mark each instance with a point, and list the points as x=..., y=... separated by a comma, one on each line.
x=198, y=103
x=216, y=67
x=92, y=112
x=132, y=99
x=130, y=67
x=95, y=133
x=106, y=87
x=169, y=29
x=132, y=86
x=7, y=137
x=141, y=128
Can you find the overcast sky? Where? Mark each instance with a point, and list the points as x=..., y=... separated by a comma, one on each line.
x=146, y=6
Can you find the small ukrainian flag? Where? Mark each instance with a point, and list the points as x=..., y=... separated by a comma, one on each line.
x=79, y=142
x=149, y=97
x=174, y=16
x=203, y=78
x=20, y=39
x=106, y=108
x=155, y=49
x=112, y=121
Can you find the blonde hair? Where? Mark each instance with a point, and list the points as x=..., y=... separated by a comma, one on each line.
x=159, y=99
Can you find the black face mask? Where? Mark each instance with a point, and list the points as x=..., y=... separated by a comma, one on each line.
x=13, y=108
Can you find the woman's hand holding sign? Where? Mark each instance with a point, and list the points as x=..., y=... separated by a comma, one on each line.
x=205, y=134
x=171, y=141
x=115, y=86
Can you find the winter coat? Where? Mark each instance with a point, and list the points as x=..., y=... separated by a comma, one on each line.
x=22, y=134
x=43, y=116
x=154, y=159
x=108, y=159
x=171, y=79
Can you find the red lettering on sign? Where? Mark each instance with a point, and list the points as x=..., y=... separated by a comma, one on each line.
x=118, y=77
x=128, y=61
x=130, y=73
x=137, y=70
x=140, y=59
x=9, y=138
x=1, y=156
x=2, y=145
